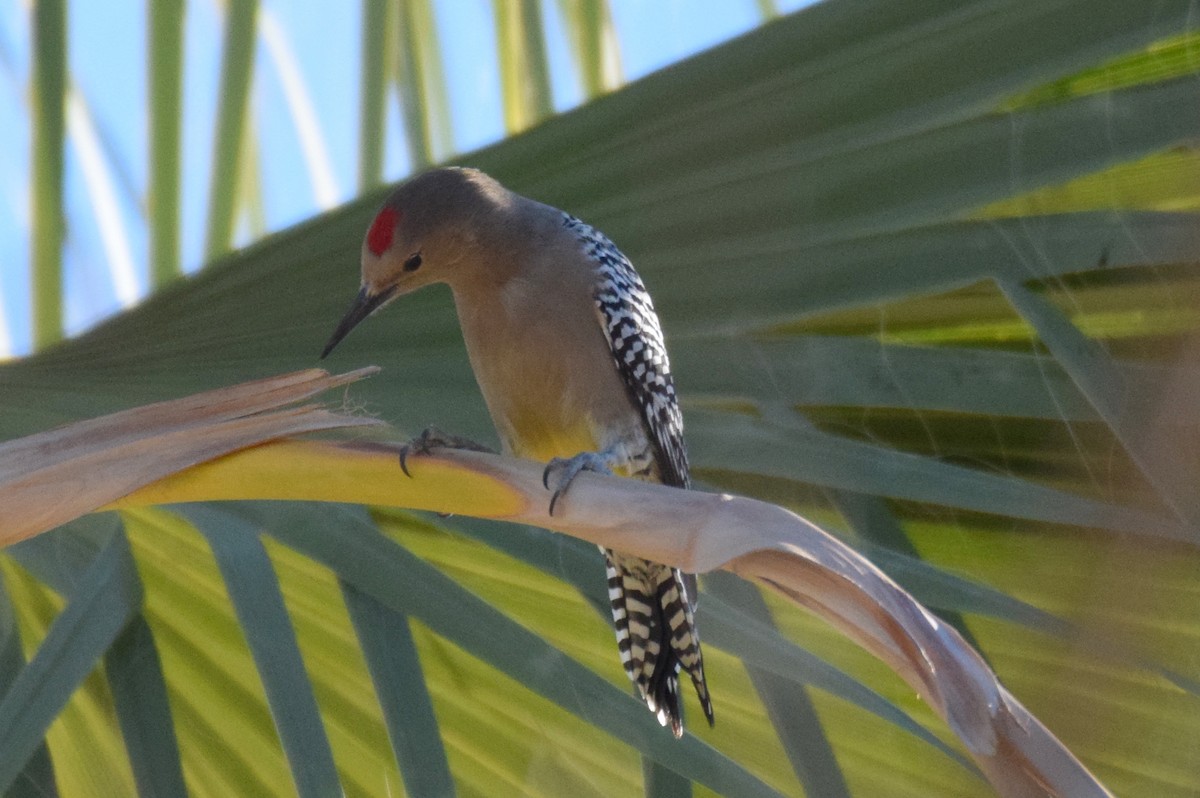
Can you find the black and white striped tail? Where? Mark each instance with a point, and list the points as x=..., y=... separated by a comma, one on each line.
x=652, y=611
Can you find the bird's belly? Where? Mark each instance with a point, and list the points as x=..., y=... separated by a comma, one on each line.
x=551, y=417
x=536, y=437
x=541, y=442
x=548, y=379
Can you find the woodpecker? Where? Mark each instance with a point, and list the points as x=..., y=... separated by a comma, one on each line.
x=569, y=356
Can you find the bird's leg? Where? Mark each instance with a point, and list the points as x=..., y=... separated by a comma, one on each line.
x=568, y=468
x=433, y=438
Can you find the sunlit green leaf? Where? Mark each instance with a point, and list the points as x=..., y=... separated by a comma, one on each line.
x=938, y=256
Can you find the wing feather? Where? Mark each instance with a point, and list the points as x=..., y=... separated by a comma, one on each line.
x=635, y=337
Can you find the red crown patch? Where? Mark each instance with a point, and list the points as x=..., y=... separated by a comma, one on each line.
x=379, y=237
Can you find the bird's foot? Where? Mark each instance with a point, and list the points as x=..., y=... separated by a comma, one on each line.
x=565, y=469
x=433, y=438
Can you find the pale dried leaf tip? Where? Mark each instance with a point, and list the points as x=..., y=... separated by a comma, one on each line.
x=50, y=478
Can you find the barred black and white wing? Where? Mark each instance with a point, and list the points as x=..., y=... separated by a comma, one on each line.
x=636, y=340
x=652, y=604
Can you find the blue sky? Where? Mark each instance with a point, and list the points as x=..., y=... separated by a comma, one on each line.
x=107, y=54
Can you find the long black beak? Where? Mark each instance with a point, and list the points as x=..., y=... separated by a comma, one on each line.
x=364, y=305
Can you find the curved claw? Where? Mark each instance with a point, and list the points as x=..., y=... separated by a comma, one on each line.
x=433, y=438
x=554, y=499
x=550, y=466
x=571, y=466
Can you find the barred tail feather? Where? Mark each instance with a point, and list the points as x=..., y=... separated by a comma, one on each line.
x=656, y=634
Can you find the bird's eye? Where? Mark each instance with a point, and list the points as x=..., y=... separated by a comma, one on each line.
x=413, y=263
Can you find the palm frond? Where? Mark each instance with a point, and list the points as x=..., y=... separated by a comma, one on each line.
x=928, y=277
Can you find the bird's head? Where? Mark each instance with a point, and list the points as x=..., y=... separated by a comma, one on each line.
x=428, y=231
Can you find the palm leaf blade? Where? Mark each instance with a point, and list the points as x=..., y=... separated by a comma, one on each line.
x=833, y=246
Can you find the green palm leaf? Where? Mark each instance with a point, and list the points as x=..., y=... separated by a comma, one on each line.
x=900, y=300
